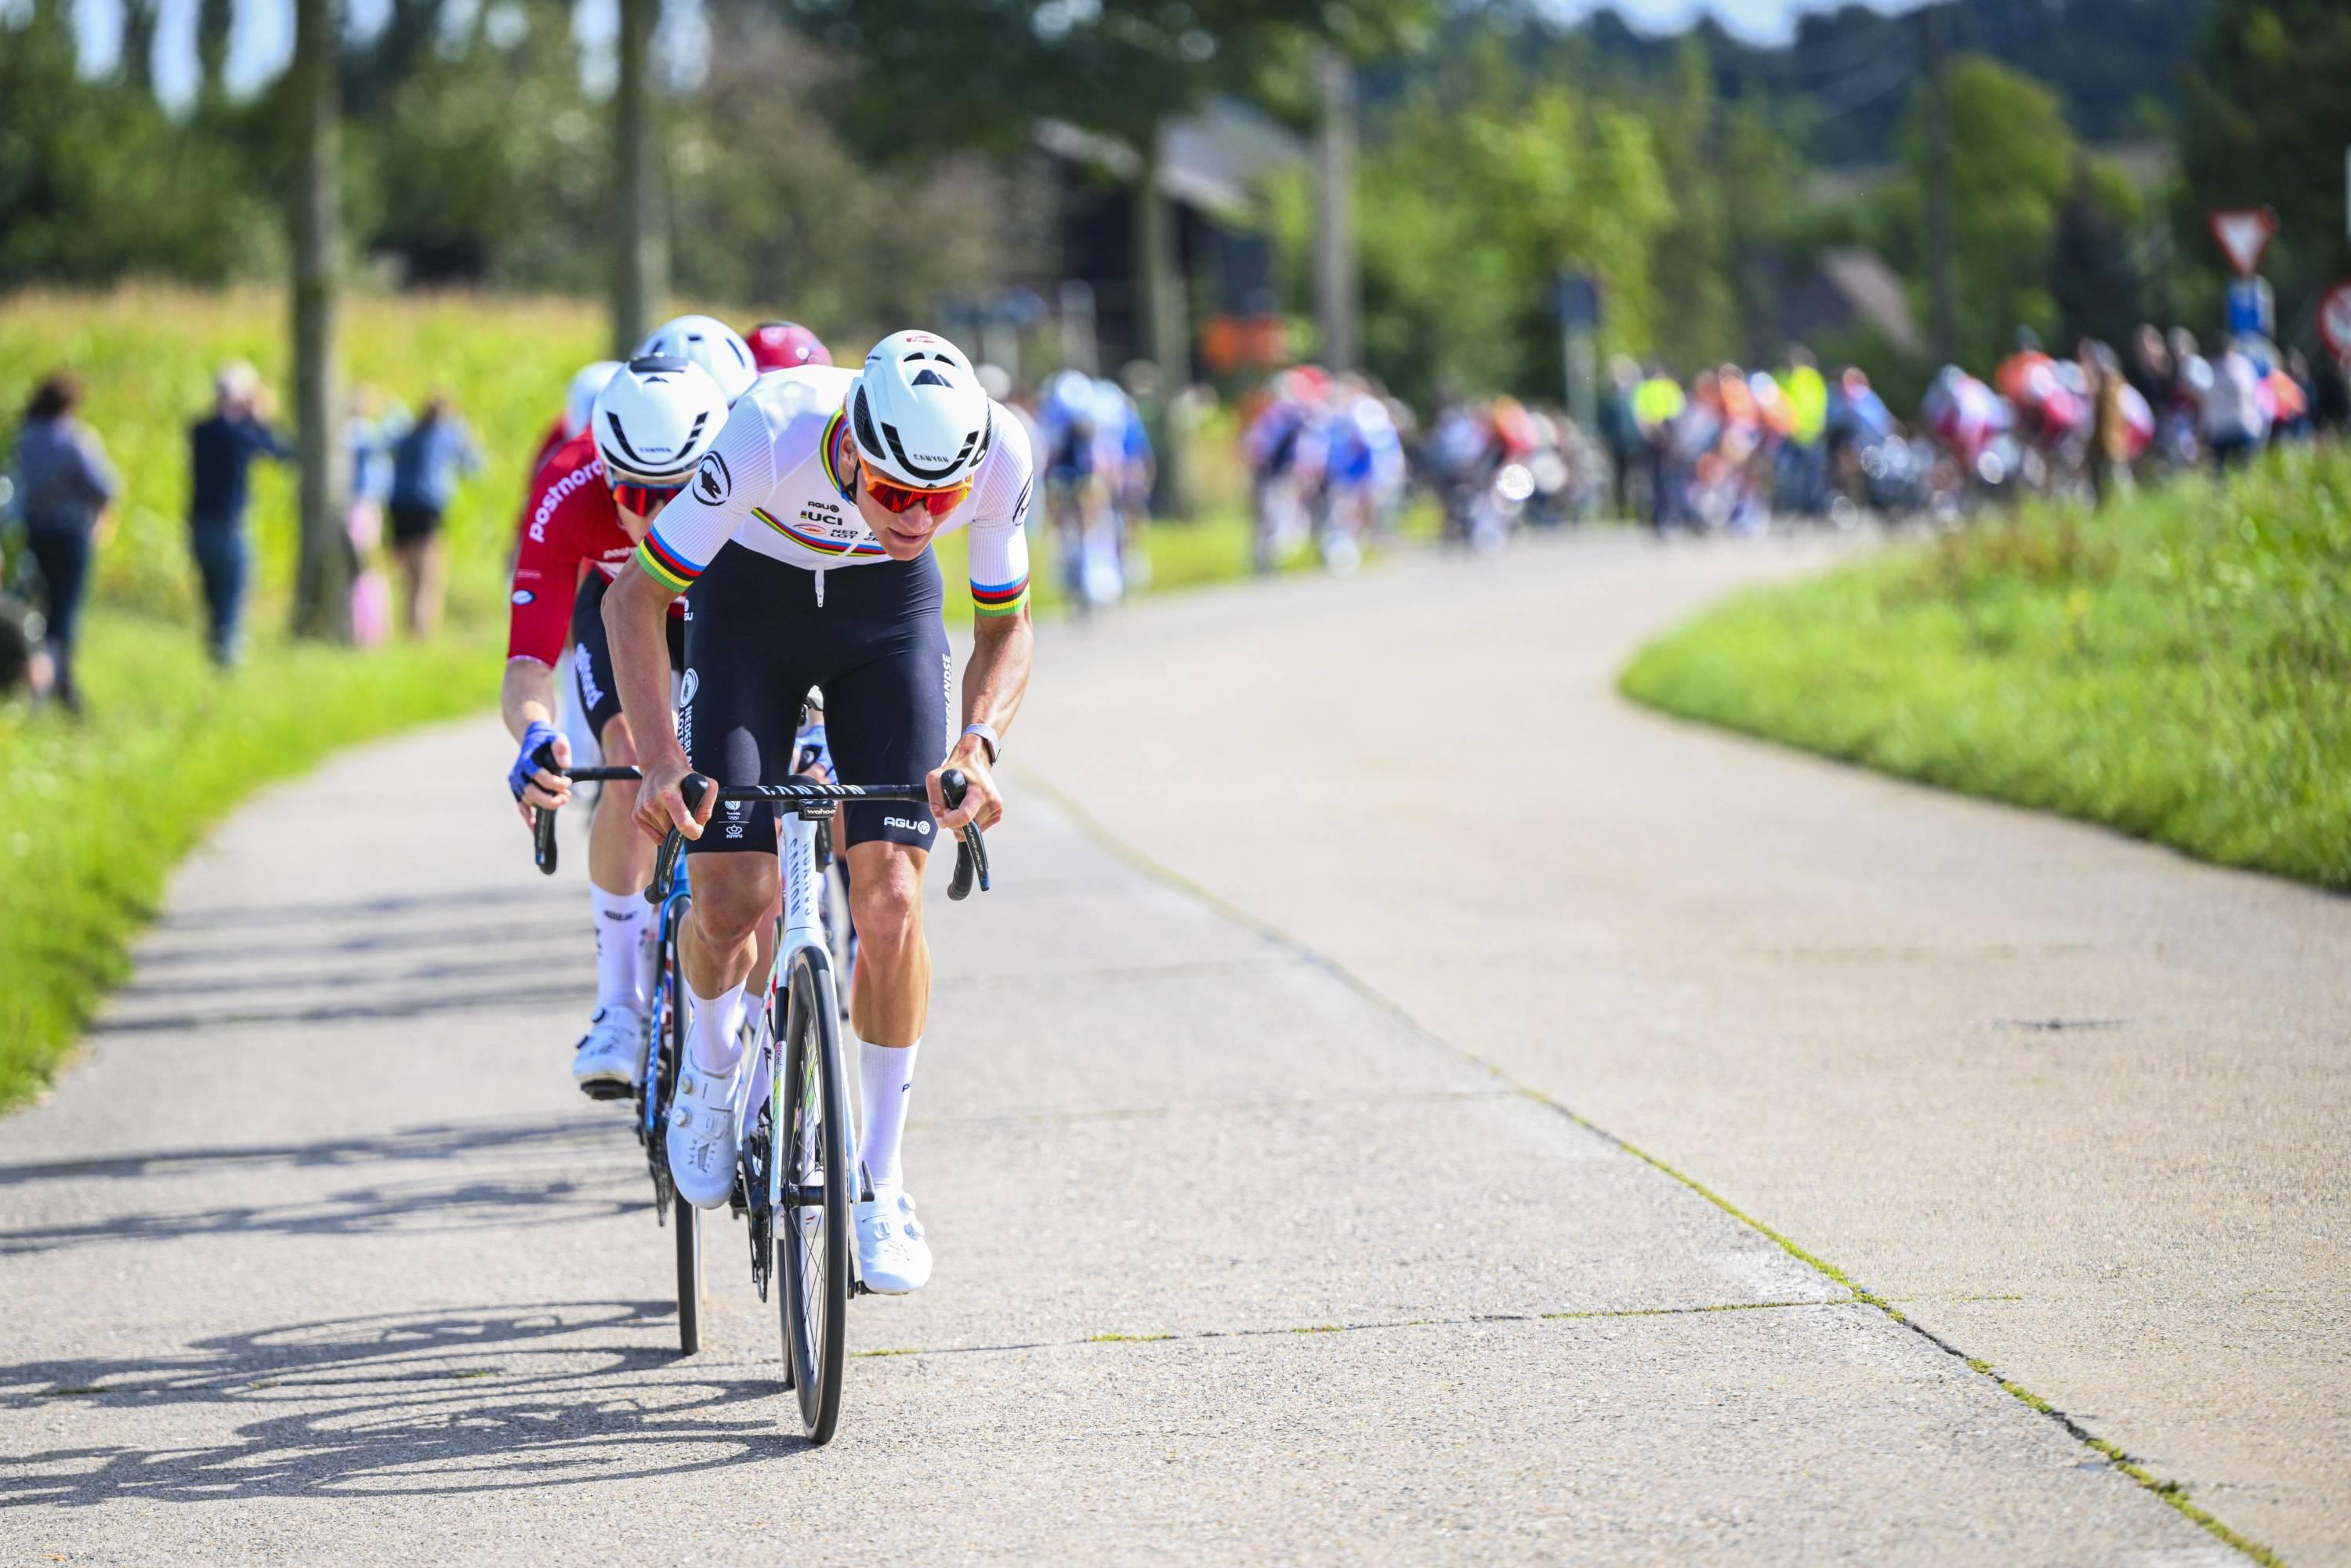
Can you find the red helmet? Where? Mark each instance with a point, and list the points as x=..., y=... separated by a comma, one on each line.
x=782, y=345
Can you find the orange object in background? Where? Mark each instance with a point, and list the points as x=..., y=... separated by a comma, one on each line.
x=1231, y=343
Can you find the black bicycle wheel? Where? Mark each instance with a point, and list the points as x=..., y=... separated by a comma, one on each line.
x=812, y=1239
x=685, y=1220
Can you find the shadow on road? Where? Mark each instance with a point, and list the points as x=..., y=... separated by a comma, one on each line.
x=556, y=1172
x=424, y=1403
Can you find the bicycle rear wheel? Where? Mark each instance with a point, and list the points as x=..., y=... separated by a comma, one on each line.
x=812, y=1221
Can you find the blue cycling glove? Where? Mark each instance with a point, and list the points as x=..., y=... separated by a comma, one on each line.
x=537, y=752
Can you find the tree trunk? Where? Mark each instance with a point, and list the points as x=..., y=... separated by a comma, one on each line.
x=1159, y=293
x=1336, y=298
x=1944, y=318
x=323, y=584
x=138, y=64
x=214, y=19
x=641, y=261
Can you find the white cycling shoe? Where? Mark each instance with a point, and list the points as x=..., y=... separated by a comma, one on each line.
x=892, y=1258
x=611, y=1057
x=703, y=1136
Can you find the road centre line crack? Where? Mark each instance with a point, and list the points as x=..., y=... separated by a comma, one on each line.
x=1469, y=1319
x=1211, y=1108
x=2169, y=1492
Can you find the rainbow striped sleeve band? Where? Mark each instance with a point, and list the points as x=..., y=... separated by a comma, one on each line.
x=665, y=565
x=1001, y=598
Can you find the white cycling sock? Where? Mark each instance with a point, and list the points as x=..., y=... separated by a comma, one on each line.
x=885, y=1077
x=619, y=948
x=710, y=1038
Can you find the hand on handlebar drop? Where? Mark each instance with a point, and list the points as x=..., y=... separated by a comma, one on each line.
x=981, y=802
x=661, y=804
x=535, y=785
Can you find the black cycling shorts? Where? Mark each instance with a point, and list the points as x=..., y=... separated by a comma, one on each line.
x=591, y=653
x=758, y=640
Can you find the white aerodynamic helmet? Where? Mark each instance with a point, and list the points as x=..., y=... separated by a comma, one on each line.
x=918, y=413
x=654, y=420
x=580, y=397
x=710, y=343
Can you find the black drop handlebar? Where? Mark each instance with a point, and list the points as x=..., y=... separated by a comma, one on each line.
x=971, y=849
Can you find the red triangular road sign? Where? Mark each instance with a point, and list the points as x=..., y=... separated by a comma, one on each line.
x=2244, y=234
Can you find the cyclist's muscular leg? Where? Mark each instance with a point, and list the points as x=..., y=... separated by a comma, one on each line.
x=620, y=855
x=891, y=999
x=732, y=894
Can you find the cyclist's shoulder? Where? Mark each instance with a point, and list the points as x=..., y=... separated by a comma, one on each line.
x=567, y=489
x=1009, y=443
x=782, y=402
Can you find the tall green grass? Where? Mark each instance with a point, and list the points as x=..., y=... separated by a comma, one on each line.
x=2179, y=668
x=147, y=358
x=99, y=813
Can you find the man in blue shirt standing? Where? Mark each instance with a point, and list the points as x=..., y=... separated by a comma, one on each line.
x=221, y=449
x=425, y=467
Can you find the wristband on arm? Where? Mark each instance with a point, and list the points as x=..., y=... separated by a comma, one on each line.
x=986, y=733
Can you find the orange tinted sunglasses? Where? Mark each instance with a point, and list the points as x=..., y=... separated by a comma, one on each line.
x=897, y=497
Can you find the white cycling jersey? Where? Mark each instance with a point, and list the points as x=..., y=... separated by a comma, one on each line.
x=779, y=480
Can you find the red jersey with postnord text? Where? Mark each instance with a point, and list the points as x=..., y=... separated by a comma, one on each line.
x=570, y=521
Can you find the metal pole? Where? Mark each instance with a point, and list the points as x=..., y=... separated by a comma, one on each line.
x=1336, y=302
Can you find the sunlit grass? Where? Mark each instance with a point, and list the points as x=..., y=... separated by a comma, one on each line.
x=2179, y=668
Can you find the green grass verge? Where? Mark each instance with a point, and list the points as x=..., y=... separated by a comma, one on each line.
x=2176, y=668
x=97, y=813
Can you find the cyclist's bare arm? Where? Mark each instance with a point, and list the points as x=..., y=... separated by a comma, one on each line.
x=636, y=615
x=994, y=683
x=526, y=696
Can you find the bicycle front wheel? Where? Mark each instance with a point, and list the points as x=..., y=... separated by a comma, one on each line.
x=812, y=1221
x=685, y=1220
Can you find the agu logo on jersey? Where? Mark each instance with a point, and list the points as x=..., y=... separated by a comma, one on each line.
x=523, y=596
x=687, y=687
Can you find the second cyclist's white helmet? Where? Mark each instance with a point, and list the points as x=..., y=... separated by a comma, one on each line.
x=580, y=397
x=710, y=343
x=918, y=413
x=654, y=420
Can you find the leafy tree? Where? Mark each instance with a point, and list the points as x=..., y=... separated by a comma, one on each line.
x=2012, y=164
x=2266, y=120
x=97, y=183
x=1477, y=194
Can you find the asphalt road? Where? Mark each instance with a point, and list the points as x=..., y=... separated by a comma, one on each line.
x=316, y=1256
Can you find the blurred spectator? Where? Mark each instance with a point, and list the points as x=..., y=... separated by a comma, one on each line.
x=64, y=492
x=221, y=450
x=2330, y=397
x=376, y=426
x=2110, y=436
x=1620, y=431
x=2291, y=393
x=1658, y=404
x=2235, y=422
x=426, y=464
x=1806, y=464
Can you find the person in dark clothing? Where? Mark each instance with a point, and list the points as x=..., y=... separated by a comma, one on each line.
x=426, y=464
x=2330, y=396
x=67, y=491
x=221, y=450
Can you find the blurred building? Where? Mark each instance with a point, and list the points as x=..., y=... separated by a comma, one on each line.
x=1210, y=168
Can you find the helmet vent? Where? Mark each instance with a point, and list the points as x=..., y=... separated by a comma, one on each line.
x=862, y=424
x=929, y=379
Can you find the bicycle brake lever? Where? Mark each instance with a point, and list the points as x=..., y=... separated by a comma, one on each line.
x=971, y=852
x=693, y=788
